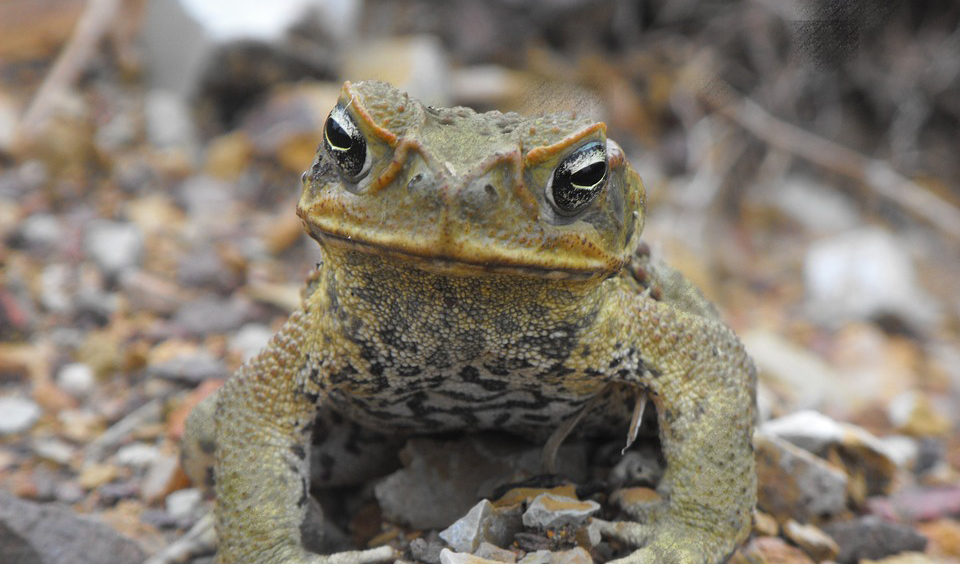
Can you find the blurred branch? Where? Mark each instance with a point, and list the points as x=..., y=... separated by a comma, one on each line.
x=92, y=26
x=878, y=175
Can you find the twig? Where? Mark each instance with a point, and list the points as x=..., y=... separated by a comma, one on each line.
x=92, y=26
x=874, y=173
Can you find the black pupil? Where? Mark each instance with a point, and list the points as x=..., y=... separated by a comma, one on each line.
x=338, y=137
x=575, y=184
x=345, y=144
x=589, y=175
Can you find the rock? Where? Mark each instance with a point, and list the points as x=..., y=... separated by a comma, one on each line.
x=48, y=534
x=137, y=455
x=442, y=479
x=905, y=558
x=794, y=483
x=40, y=231
x=944, y=537
x=819, y=545
x=871, y=537
x=573, y=556
x=424, y=550
x=161, y=478
x=193, y=367
x=183, y=504
x=483, y=523
x=918, y=503
x=493, y=552
x=913, y=414
x=17, y=415
x=790, y=371
x=76, y=378
x=538, y=557
x=113, y=245
x=448, y=556
x=210, y=314
x=771, y=550
x=819, y=208
x=14, y=548
x=765, y=525
x=863, y=274
x=867, y=460
x=250, y=339
x=54, y=449
x=548, y=511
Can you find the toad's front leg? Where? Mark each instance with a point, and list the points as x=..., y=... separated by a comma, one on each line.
x=703, y=385
x=264, y=415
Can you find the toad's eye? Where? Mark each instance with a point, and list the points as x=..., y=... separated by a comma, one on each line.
x=345, y=144
x=578, y=178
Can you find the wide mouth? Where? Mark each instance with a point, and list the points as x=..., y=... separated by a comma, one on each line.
x=465, y=262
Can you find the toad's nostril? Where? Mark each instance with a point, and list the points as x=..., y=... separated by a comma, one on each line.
x=491, y=191
x=415, y=181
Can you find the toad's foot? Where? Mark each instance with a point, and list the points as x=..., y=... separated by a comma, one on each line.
x=667, y=542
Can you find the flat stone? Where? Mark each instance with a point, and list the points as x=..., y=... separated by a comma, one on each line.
x=493, y=552
x=548, y=511
x=872, y=538
x=448, y=556
x=819, y=545
x=32, y=533
x=796, y=484
x=17, y=415
x=866, y=458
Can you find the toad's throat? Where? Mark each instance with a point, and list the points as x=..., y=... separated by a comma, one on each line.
x=468, y=259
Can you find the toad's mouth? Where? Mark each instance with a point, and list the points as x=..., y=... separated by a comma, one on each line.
x=467, y=258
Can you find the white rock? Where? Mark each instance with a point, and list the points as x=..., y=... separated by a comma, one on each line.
x=137, y=455
x=113, y=245
x=181, y=37
x=169, y=122
x=818, y=208
x=17, y=415
x=903, y=450
x=183, y=503
x=54, y=449
x=809, y=430
x=861, y=274
x=57, y=287
x=76, y=379
x=41, y=231
x=448, y=556
x=791, y=371
x=251, y=339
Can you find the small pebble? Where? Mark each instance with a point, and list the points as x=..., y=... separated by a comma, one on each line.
x=76, y=378
x=183, y=504
x=819, y=545
x=113, y=245
x=17, y=415
x=137, y=455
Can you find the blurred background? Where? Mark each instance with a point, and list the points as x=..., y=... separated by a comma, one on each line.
x=801, y=160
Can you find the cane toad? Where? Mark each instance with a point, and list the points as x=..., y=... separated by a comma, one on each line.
x=479, y=271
